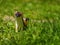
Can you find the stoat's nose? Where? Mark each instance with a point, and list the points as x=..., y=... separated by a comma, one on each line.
x=18, y=14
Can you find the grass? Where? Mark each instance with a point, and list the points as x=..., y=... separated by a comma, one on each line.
x=46, y=31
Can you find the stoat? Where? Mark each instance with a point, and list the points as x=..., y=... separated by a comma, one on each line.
x=20, y=23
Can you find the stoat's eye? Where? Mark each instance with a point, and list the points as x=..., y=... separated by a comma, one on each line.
x=18, y=14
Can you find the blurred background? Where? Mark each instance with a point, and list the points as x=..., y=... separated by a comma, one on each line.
x=43, y=27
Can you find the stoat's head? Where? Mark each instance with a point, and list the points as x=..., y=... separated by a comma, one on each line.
x=18, y=14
